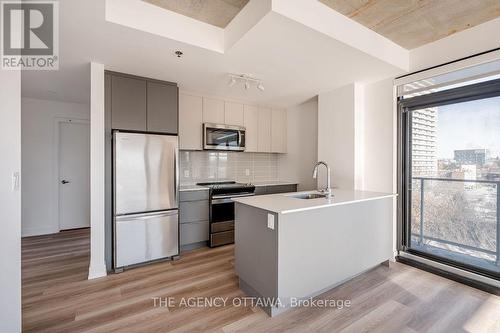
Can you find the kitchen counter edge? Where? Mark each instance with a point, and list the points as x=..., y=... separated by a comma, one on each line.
x=285, y=203
x=185, y=188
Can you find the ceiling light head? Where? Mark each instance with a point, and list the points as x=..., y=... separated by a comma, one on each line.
x=260, y=86
x=247, y=85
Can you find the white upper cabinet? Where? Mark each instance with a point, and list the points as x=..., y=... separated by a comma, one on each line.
x=278, y=131
x=233, y=114
x=190, y=122
x=213, y=111
x=264, y=133
x=251, y=123
x=266, y=128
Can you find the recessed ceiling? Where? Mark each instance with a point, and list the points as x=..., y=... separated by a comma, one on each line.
x=214, y=12
x=293, y=69
x=413, y=23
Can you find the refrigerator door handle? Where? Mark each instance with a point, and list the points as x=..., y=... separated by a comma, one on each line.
x=146, y=215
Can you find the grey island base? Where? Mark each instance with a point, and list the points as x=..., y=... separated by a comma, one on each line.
x=288, y=249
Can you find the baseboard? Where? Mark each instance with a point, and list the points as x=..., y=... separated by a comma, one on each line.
x=28, y=232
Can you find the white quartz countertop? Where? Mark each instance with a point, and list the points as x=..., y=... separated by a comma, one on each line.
x=285, y=203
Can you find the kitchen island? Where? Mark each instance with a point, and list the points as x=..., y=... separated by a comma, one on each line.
x=289, y=247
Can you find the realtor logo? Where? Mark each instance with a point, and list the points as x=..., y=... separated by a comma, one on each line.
x=30, y=35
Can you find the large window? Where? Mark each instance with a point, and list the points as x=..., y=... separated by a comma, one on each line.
x=451, y=175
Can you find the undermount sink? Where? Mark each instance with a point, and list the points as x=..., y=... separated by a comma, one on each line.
x=309, y=196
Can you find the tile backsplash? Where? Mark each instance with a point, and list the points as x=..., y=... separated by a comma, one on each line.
x=208, y=166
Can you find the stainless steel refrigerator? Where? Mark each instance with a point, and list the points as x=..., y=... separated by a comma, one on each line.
x=146, y=216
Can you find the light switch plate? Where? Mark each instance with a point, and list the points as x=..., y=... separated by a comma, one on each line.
x=270, y=221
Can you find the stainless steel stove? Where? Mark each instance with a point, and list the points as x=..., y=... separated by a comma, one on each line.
x=222, y=209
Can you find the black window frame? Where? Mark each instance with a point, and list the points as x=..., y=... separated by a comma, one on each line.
x=405, y=106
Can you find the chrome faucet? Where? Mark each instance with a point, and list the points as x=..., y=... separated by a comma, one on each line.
x=328, y=190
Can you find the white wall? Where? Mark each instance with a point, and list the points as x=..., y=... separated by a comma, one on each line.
x=10, y=201
x=379, y=124
x=38, y=119
x=356, y=135
x=337, y=128
x=302, y=153
x=359, y=136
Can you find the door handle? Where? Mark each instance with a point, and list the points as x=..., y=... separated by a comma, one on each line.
x=64, y=181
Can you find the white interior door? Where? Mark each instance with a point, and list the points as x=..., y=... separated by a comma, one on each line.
x=74, y=175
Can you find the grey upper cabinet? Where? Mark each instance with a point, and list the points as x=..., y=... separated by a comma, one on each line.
x=162, y=106
x=128, y=103
x=141, y=104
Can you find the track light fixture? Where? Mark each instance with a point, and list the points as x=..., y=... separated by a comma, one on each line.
x=246, y=79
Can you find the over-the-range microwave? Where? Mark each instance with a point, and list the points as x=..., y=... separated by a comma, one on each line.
x=223, y=137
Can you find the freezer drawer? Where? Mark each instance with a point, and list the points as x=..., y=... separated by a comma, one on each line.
x=145, y=237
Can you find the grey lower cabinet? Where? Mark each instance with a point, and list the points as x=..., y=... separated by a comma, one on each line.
x=194, y=213
x=193, y=218
x=194, y=234
x=142, y=104
x=259, y=190
x=275, y=189
x=185, y=196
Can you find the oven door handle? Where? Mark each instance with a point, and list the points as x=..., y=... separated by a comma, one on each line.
x=218, y=199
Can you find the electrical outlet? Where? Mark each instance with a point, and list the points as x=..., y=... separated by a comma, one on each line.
x=186, y=173
x=270, y=221
x=247, y=172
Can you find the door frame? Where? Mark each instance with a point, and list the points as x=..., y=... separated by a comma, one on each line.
x=55, y=162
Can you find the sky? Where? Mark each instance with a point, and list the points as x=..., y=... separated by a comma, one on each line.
x=469, y=125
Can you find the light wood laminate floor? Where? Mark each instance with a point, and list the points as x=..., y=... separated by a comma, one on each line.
x=58, y=298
